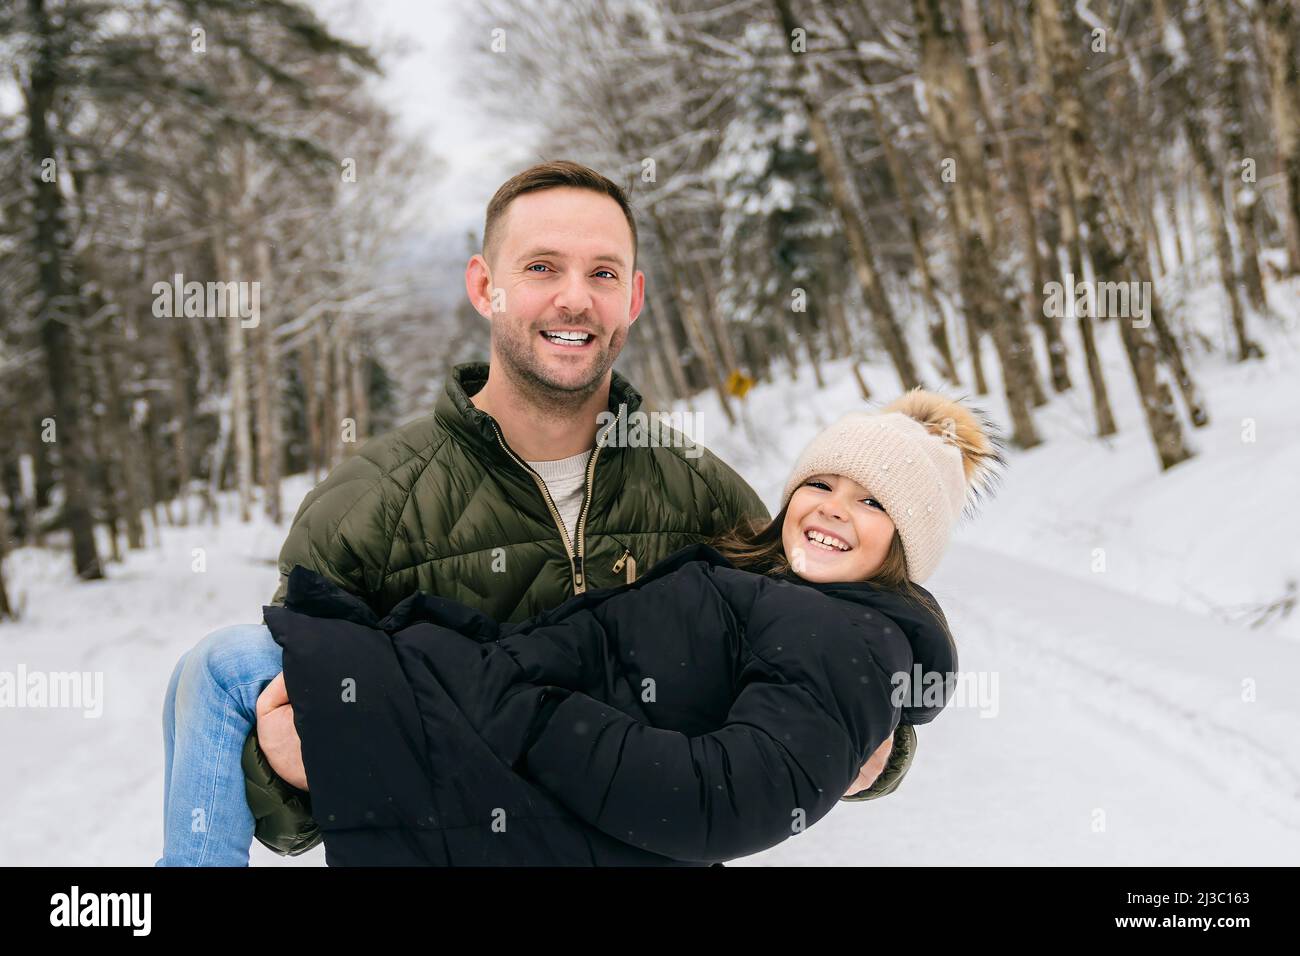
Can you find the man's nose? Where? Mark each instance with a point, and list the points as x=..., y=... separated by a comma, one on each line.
x=573, y=295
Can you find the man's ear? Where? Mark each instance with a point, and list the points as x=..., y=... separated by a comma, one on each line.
x=478, y=285
x=638, y=296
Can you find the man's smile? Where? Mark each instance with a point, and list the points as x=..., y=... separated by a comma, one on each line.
x=569, y=340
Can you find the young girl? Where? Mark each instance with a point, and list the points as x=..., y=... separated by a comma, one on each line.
x=711, y=709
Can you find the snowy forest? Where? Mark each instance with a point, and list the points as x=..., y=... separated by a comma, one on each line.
x=1083, y=214
x=906, y=180
x=818, y=179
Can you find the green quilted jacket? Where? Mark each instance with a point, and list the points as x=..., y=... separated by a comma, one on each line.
x=443, y=505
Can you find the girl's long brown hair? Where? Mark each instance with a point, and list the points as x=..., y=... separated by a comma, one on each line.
x=751, y=547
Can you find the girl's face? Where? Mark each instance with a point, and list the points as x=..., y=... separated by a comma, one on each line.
x=841, y=512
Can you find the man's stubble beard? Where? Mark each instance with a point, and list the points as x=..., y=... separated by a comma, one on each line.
x=528, y=374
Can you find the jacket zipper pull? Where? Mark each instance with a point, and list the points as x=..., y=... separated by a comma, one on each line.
x=577, y=570
x=629, y=561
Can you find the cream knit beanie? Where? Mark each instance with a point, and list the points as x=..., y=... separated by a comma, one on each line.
x=926, y=458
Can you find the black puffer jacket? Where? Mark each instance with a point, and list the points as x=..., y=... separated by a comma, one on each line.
x=699, y=714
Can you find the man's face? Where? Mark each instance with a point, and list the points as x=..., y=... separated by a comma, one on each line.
x=563, y=264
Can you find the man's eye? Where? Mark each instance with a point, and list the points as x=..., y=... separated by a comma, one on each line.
x=537, y=265
x=608, y=273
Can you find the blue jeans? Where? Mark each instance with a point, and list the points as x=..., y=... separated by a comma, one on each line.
x=208, y=712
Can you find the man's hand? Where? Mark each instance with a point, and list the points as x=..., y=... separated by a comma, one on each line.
x=278, y=736
x=871, y=769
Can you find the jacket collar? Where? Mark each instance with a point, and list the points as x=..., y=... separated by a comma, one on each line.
x=475, y=427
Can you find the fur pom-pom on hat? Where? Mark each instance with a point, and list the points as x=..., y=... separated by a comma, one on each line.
x=983, y=457
x=929, y=459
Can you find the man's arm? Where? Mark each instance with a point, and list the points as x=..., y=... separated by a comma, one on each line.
x=737, y=501
x=281, y=814
x=900, y=759
x=336, y=532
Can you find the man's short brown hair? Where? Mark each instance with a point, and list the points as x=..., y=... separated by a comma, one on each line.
x=550, y=175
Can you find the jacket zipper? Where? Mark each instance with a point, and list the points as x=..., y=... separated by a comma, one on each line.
x=580, y=584
x=575, y=558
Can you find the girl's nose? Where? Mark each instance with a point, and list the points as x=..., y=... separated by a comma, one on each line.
x=835, y=509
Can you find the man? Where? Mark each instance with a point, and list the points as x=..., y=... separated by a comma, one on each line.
x=504, y=498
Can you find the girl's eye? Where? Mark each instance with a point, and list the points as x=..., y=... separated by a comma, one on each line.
x=818, y=483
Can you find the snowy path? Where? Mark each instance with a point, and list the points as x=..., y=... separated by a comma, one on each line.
x=1107, y=703
x=88, y=791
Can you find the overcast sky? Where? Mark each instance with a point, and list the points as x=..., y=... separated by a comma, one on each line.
x=424, y=85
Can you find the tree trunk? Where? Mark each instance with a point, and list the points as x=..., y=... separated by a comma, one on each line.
x=339, y=381
x=688, y=309
x=1014, y=177
x=1207, y=173
x=707, y=297
x=360, y=393
x=229, y=268
x=127, y=491
x=1110, y=244
x=661, y=397
x=157, y=485
x=1234, y=94
x=105, y=473
x=1101, y=411
x=1278, y=18
x=663, y=344
x=6, y=609
x=269, y=445
x=852, y=217
x=901, y=183
x=1171, y=213
x=183, y=416
x=329, y=410
x=1173, y=354
x=804, y=326
x=312, y=398
x=59, y=309
x=27, y=484
x=238, y=357
x=952, y=107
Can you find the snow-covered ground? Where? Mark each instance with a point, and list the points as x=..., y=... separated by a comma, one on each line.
x=1131, y=713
